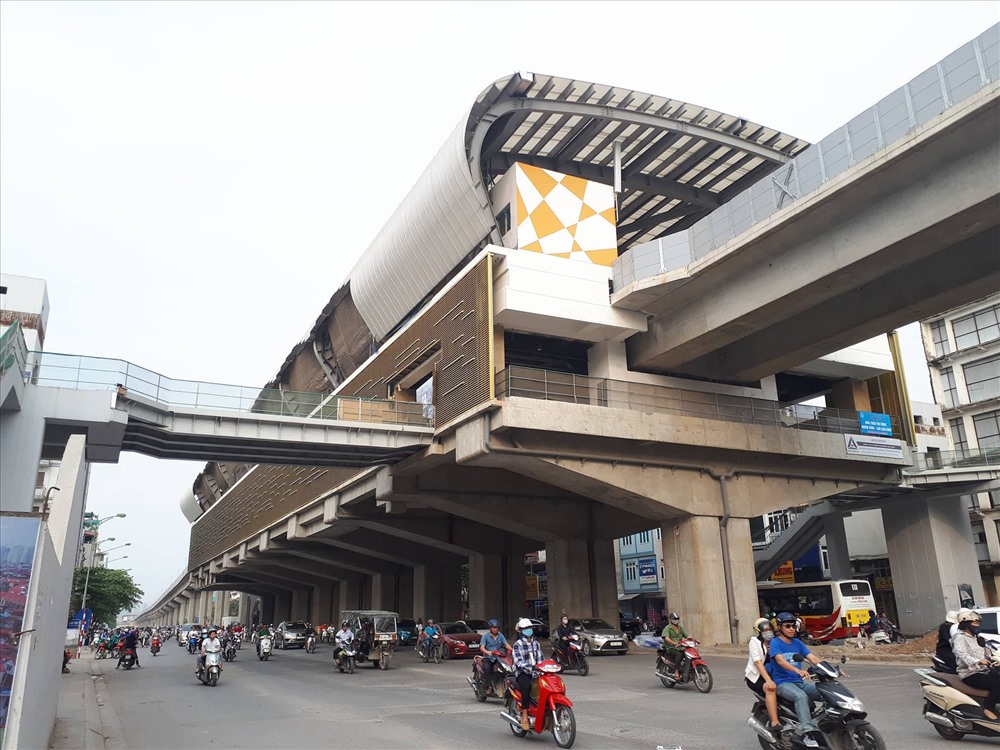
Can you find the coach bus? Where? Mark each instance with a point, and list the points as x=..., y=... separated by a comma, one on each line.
x=829, y=609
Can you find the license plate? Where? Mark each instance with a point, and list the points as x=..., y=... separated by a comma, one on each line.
x=616, y=644
x=473, y=646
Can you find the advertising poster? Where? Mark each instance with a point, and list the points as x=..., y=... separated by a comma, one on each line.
x=18, y=538
x=647, y=570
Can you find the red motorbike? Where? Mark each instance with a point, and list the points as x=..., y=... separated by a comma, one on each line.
x=549, y=709
x=573, y=656
x=692, y=667
x=154, y=645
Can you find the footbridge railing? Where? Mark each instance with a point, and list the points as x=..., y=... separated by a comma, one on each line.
x=580, y=389
x=99, y=373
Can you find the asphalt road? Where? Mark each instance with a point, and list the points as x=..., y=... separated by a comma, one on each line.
x=298, y=700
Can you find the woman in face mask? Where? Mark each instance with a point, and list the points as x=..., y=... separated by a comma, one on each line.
x=527, y=653
x=564, y=634
x=756, y=674
x=974, y=665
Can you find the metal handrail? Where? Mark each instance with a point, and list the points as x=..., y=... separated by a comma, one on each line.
x=957, y=459
x=101, y=373
x=13, y=349
x=530, y=382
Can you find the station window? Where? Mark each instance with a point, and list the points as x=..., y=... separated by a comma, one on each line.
x=982, y=378
x=939, y=334
x=978, y=328
x=988, y=430
x=958, y=437
x=949, y=389
x=631, y=571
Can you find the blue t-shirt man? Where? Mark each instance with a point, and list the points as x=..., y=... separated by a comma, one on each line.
x=789, y=677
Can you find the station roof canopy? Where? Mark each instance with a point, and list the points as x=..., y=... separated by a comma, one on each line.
x=679, y=161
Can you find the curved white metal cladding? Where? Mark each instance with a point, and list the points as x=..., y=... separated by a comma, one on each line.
x=438, y=223
x=189, y=506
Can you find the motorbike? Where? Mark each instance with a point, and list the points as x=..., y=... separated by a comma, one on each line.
x=128, y=660
x=574, y=656
x=102, y=651
x=154, y=646
x=230, y=650
x=549, y=709
x=193, y=644
x=691, y=667
x=495, y=685
x=954, y=708
x=264, y=647
x=888, y=634
x=211, y=671
x=311, y=643
x=238, y=639
x=431, y=649
x=345, y=658
x=841, y=717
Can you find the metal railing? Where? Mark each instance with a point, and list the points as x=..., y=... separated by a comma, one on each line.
x=955, y=78
x=99, y=373
x=13, y=349
x=657, y=399
x=960, y=459
x=779, y=524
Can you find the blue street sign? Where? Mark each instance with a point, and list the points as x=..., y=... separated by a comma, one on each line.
x=873, y=423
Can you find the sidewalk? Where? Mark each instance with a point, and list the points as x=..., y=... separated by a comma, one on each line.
x=85, y=719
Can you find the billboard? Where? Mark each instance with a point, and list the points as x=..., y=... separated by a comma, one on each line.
x=18, y=539
x=647, y=570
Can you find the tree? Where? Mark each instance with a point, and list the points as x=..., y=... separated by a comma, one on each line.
x=108, y=593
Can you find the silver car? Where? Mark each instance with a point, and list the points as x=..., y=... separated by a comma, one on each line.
x=599, y=637
x=290, y=634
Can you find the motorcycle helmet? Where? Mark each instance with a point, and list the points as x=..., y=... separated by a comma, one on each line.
x=674, y=617
x=761, y=623
x=493, y=624
x=343, y=624
x=785, y=617
x=967, y=615
x=951, y=617
x=524, y=622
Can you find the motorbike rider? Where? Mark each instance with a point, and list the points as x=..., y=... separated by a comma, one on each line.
x=131, y=641
x=527, y=653
x=564, y=634
x=343, y=638
x=943, y=648
x=974, y=661
x=490, y=642
x=262, y=632
x=673, y=634
x=756, y=673
x=871, y=626
x=430, y=629
x=210, y=643
x=790, y=679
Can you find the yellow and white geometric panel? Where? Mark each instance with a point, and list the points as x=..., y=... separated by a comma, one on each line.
x=565, y=216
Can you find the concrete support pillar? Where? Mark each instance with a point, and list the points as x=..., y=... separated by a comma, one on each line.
x=350, y=595
x=384, y=591
x=203, y=597
x=282, y=606
x=485, y=586
x=437, y=592
x=267, y=607
x=836, y=546
x=300, y=605
x=581, y=579
x=322, y=605
x=696, y=578
x=404, y=602
x=932, y=559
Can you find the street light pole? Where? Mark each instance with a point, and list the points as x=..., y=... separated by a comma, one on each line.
x=86, y=585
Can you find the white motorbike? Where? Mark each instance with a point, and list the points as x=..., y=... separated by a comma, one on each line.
x=212, y=670
x=264, y=647
x=953, y=707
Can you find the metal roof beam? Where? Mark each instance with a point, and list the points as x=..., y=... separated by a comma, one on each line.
x=642, y=183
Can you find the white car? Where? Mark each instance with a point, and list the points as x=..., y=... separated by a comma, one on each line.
x=480, y=626
x=991, y=626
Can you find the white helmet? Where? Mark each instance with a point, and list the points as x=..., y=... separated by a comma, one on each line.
x=524, y=622
x=951, y=617
x=967, y=615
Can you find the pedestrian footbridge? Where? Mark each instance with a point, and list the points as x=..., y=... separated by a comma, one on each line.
x=163, y=417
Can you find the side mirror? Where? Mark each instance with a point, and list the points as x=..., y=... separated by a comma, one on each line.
x=578, y=628
x=799, y=658
x=981, y=641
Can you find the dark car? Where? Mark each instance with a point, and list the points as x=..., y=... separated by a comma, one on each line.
x=630, y=626
x=290, y=634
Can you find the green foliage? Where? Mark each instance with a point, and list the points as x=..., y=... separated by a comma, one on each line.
x=109, y=592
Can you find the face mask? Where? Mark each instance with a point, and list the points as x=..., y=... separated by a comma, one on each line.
x=767, y=635
x=527, y=632
x=975, y=629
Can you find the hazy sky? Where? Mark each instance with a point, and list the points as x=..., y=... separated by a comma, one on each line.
x=194, y=180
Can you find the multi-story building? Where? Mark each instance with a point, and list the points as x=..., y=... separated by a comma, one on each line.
x=641, y=576
x=963, y=356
